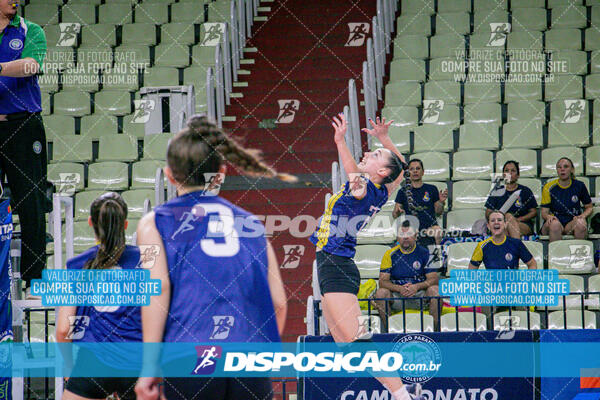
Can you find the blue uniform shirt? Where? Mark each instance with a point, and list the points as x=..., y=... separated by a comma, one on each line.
x=503, y=255
x=424, y=199
x=565, y=202
x=344, y=216
x=406, y=267
x=525, y=202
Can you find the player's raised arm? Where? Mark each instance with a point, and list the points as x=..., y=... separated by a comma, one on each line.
x=340, y=126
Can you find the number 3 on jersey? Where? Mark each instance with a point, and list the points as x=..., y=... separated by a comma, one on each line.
x=221, y=227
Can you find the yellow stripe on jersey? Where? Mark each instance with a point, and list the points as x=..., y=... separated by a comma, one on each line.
x=324, y=228
x=386, y=261
x=546, y=191
x=478, y=252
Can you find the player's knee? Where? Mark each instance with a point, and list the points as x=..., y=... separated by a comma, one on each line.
x=382, y=293
x=556, y=226
x=432, y=290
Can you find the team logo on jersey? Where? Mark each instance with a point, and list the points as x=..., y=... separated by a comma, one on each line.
x=508, y=257
x=148, y=254
x=186, y=220
x=212, y=33
x=287, y=111
x=16, y=44
x=142, y=108
x=574, y=110
x=580, y=256
x=358, y=33
x=499, y=32
x=574, y=198
x=293, y=255
x=207, y=359
x=37, y=147
x=432, y=110
x=78, y=325
x=222, y=326
x=426, y=196
x=68, y=34
x=417, y=265
x=213, y=180
x=518, y=202
x=67, y=182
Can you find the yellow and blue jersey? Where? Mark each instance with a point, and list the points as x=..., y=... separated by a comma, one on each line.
x=565, y=203
x=525, y=202
x=423, y=208
x=345, y=216
x=406, y=267
x=503, y=255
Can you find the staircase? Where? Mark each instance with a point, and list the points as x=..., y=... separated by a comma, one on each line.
x=297, y=53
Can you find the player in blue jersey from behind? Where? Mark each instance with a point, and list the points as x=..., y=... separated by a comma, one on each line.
x=370, y=182
x=219, y=284
x=108, y=217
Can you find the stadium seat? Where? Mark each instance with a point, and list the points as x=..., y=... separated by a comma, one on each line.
x=80, y=80
x=117, y=79
x=565, y=134
x=155, y=146
x=592, y=86
x=413, y=323
x=179, y=32
x=153, y=13
x=535, y=248
x=592, y=163
x=462, y=220
x=42, y=14
x=483, y=18
x=473, y=164
x=109, y=175
x=64, y=175
x=517, y=320
x=558, y=3
x=72, y=148
x=569, y=62
x=447, y=69
x=436, y=165
x=407, y=70
x=569, y=16
x=59, y=125
x=368, y=260
x=144, y=173
x=522, y=134
x=430, y=137
x=482, y=5
x=448, y=6
x=528, y=19
x=526, y=110
x=94, y=58
x=480, y=41
x=552, y=155
x=83, y=236
x=478, y=136
x=459, y=254
x=53, y=35
x=46, y=102
x=573, y=301
x=447, y=45
x=83, y=202
x=113, y=102
x=400, y=136
x=470, y=194
x=48, y=81
x=458, y=23
x=161, y=76
x=528, y=4
x=402, y=115
x=594, y=62
x=564, y=87
x=196, y=75
x=58, y=58
x=465, y=322
x=411, y=47
x=137, y=54
x=529, y=40
x=483, y=113
x=135, y=201
x=117, y=148
x=418, y=7
x=96, y=125
x=527, y=161
x=592, y=39
x=448, y=115
x=105, y=34
x=569, y=112
x=556, y=319
x=76, y=104
x=593, y=301
x=84, y=14
x=403, y=93
x=419, y=24
x=380, y=229
x=188, y=12
x=219, y=11
x=571, y=256
x=448, y=91
x=535, y=185
x=133, y=128
x=517, y=91
x=170, y=55
x=116, y=14
x=482, y=93
x=138, y=34
x=563, y=39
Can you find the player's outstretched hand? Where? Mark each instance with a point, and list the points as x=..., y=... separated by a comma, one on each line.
x=149, y=389
x=340, y=125
x=380, y=128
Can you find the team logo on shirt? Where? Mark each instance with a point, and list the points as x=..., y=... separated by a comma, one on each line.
x=518, y=202
x=358, y=33
x=16, y=44
x=287, y=111
x=426, y=196
x=293, y=255
x=207, y=359
x=417, y=265
x=37, y=147
x=508, y=257
x=78, y=325
x=222, y=326
x=574, y=199
x=574, y=109
x=498, y=34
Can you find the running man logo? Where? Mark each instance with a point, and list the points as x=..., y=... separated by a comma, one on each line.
x=507, y=325
x=498, y=184
x=435, y=257
x=207, y=359
x=222, y=326
x=574, y=109
x=68, y=34
x=431, y=111
x=293, y=255
x=499, y=33
x=580, y=256
x=143, y=108
x=78, y=324
x=68, y=182
x=186, y=220
x=367, y=326
x=358, y=33
x=148, y=255
x=212, y=33
x=213, y=183
x=287, y=111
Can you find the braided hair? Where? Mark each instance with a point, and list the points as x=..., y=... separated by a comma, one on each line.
x=202, y=147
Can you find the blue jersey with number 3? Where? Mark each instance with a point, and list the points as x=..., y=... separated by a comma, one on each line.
x=217, y=261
